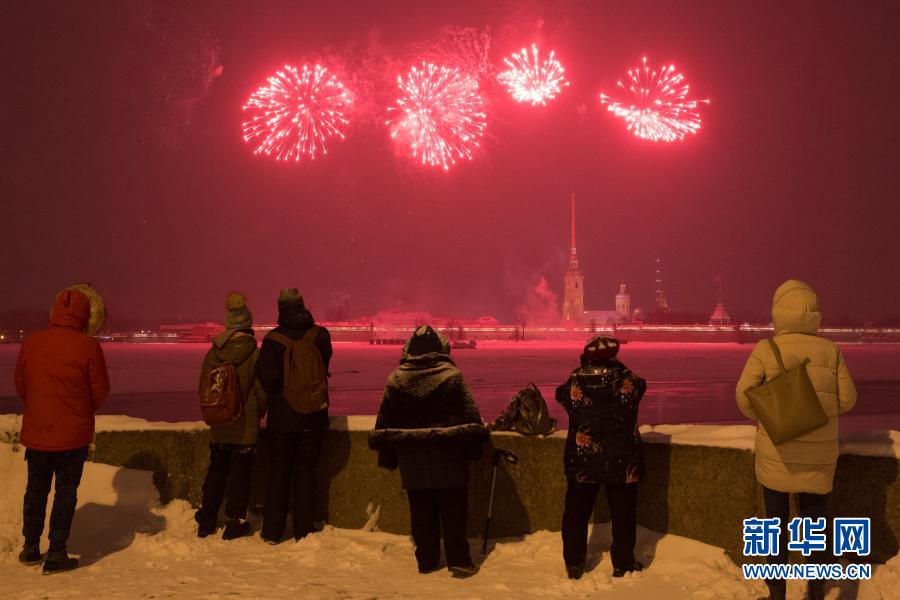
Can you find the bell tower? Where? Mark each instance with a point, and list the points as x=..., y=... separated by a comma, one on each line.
x=573, y=300
x=623, y=301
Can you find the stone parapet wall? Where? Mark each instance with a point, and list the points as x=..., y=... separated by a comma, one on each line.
x=698, y=491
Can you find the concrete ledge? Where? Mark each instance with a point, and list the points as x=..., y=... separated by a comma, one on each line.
x=699, y=480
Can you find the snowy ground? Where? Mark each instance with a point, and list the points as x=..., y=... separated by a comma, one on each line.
x=131, y=547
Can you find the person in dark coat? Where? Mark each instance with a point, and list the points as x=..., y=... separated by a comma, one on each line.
x=232, y=447
x=603, y=448
x=429, y=426
x=62, y=380
x=294, y=439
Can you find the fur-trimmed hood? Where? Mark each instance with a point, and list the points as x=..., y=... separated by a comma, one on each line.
x=97, y=316
x=419, y=376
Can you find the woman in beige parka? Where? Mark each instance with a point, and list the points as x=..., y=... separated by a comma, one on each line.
x=804, y=465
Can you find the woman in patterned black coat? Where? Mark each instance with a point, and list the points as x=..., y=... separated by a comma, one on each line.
x=603, y=449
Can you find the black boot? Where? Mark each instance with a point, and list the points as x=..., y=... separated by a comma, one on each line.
x=58, y=561
x=204, y=529
x=235, y=528
x=463, y=572
x=575, y=571
x=777, y=589
x=635, y=567
x=30, y=555
x=815, y=589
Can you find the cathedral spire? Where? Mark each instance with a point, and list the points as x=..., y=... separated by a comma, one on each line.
x=573, y=223
x=573, y=301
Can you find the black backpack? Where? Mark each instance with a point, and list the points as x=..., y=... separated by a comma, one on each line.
x=526, y=413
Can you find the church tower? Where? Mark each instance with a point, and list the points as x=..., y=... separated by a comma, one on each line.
x=623, y=302
x=720, y=315
x=573, y=301
x=661, y=303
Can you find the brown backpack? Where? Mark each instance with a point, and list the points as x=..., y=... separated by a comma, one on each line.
x=221, y=400
x=305, y=386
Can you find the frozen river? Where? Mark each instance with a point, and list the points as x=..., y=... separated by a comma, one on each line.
x=688, y=383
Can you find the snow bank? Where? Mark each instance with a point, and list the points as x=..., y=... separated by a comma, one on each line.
x=10, y=424
x=719, y=436
x=132, y=547
x=885, y=582
x=878, y=443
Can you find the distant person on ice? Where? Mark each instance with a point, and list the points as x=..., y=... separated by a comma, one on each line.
x=804, y=465
x=603, y=448
x=429, y=426
x=61, y=378
x=233, y=436
x=293, y=370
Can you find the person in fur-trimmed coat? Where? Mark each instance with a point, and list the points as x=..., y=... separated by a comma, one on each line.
x=62, y=380
x=429, y=426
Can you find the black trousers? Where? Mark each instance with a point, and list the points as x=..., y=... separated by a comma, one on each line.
x=293, y=461
x=67, y=466
x=580, y=499
x=429, y=511
x=228, y=476
x=808, y=505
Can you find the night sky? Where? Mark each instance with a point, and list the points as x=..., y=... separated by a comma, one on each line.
x=123, y=162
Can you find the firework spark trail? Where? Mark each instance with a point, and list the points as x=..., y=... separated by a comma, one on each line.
x=659, y=108
x=294, y=115
x=531, y=80
x=439, y=115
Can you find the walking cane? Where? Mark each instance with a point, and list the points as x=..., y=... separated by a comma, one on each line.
x=511, y=458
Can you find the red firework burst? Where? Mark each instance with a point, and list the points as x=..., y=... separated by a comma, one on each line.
x=296, y=112
x=439, y=115
x=659, y=108
x=529, y=79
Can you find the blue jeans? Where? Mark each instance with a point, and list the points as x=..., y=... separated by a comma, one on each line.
x=68, y=466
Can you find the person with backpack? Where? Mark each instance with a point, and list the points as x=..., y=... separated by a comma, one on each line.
x=429, y=425
x=62, y=380
x=803, y=465
x=293, y=370
x=232, y=403
x=603, y=448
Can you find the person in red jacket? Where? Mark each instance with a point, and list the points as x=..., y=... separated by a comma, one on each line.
x=62, y=380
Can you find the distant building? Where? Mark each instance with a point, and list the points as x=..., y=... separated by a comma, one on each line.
x=573, y=312
x=573, y=299
x=720, y=315
x=603, y=318
x=623, y=301
x=661, y=303
x=193, y=332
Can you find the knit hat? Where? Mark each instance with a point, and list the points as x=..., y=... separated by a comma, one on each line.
x=290, y=296
x=238, y=315
x=424, y=341
x=599, y=350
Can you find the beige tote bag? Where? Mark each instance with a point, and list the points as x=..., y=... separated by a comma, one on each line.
x=787, y=405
